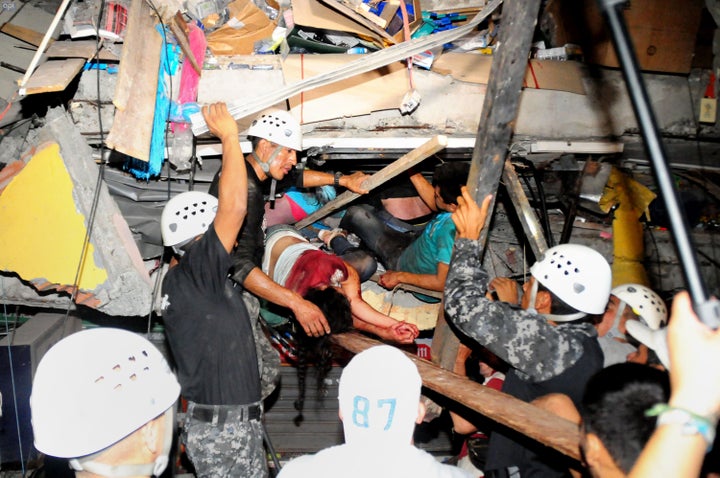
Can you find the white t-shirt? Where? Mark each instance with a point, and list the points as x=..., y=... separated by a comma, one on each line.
x=353, y=461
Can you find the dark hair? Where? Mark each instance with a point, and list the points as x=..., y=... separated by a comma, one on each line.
x=614, y=404
x=450, y=177
x=318, y=350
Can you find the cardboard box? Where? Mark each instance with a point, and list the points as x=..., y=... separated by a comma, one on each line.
x=663, y=33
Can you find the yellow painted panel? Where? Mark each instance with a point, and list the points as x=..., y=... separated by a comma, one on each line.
x=42, y=232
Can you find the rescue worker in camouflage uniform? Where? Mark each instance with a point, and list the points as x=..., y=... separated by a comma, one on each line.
x=551, y=346
x=207, y=323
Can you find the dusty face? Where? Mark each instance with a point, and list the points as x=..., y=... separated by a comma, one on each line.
x=283, y=162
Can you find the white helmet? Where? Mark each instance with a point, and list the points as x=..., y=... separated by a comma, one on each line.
x=187, y=216
x=95, y=387
x=644, y=302
x=279, y=127
x=578, y=275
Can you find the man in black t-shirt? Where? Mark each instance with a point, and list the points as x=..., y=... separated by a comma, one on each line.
x=276, y=139
x=206, y=321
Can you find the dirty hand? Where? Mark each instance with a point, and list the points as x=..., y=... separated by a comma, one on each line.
x=220, y=122
x=404, y=333
x=469, y=218
x=505, y=288
x=390, y=279
x=693, y=346
x=311, y=319
x=354, y=182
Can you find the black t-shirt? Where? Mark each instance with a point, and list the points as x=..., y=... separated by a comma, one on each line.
x=208, y=327
x=251, y=239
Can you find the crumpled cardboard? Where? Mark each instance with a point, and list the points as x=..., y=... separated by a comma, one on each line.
x=247, y=25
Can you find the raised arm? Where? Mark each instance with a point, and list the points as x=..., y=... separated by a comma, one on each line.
x=233, y=192
x=673, y=450
x=424, y=189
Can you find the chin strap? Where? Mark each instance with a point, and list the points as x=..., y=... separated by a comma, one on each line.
x=265, y=165
x=553, y=317
x=614, y=331
x=88, y=463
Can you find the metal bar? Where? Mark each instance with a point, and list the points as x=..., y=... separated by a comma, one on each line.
x=708, y=310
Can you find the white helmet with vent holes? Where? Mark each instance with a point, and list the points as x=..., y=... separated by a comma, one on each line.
x=187, y=216
x=578, y=275
x=279, y=127
x=94, y=388
x=644, y=302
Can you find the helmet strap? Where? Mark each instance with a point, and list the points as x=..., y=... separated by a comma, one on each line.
x=88, y=463
x=265, y=165
x=533, y=297
x=614, y=331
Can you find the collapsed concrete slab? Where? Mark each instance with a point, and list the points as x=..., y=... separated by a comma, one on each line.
x=46, y=210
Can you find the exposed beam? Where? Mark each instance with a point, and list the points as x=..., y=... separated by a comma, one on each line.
x=536, y=423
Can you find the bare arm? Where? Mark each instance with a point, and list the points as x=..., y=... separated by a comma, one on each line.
x=366, y=318
x=460, y=424
x=425, y=190
x=232, y=196
x=427, y=281
x=306, y=313
x=695, y=383
x=353, y=181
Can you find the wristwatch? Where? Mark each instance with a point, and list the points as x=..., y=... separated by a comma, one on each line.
x=336, y=181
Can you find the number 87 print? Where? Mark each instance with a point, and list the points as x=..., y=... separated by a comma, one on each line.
x=362, y=411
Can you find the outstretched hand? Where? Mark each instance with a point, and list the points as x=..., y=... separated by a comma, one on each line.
x=469, y=218
x=403, y=333
x=220, y=122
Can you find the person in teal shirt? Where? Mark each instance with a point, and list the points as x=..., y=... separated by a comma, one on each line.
x=423, y=260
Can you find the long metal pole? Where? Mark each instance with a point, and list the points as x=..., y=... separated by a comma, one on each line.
x=707, y=310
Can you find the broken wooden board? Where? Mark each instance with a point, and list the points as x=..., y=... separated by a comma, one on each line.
x=79, y=49
x=53, y=75
x=24, y=34
x=540, y=425
x=137, y=84
x=401, y=164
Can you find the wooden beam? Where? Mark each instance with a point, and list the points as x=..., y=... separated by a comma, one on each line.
x=401, y=164
x=179, y=29
x=499, y=111
x=526, y=214
x=534, y=422
x=136, y=85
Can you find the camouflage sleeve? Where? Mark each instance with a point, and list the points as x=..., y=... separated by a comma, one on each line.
x=526, y=341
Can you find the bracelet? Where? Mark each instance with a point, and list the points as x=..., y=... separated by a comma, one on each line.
x=692, y=423
x=336, y=181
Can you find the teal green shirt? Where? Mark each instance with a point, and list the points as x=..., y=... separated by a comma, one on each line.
x=434, y=245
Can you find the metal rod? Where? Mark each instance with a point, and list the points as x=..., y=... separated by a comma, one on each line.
x=708, y=311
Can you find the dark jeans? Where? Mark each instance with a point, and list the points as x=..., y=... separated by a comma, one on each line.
x=360, y=260
x=386, y=243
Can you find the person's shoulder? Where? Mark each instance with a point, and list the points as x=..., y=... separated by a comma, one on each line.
x=431, y=467
x=328, y=462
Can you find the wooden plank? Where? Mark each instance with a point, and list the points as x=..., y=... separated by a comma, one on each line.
x=540, y=425
x=53, y=75
x=24, y=34
x=499, y=112
x=526, y=214
x=362, y=18
x=401, y=164
x=79, y=49
x=137, y=84
x=178, y=27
